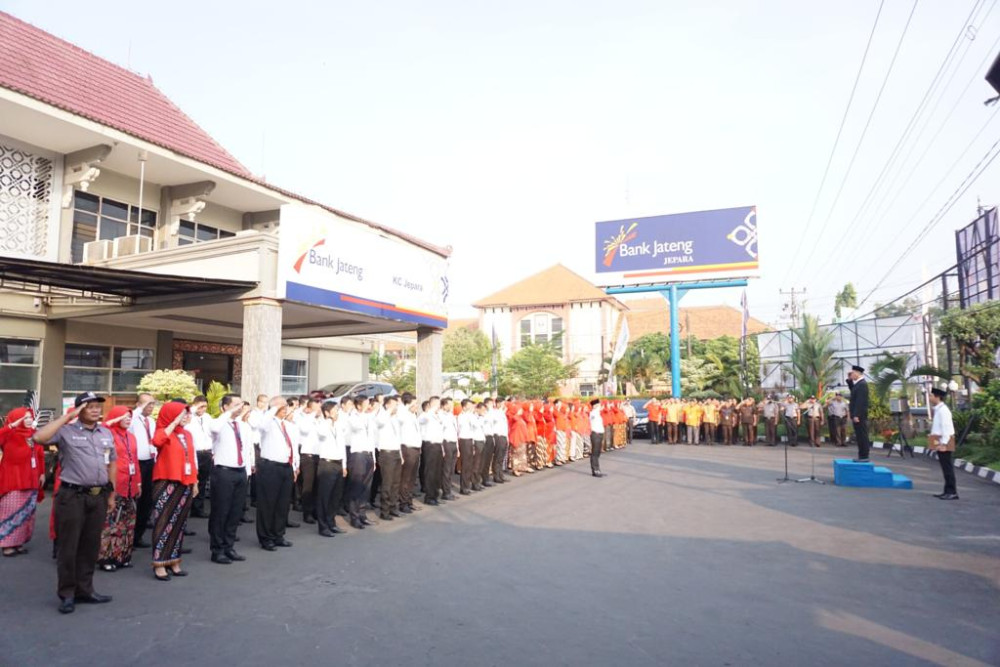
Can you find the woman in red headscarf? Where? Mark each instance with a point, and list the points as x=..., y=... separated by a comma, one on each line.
x=119, y=528
x=518, y=439
x=175, y=483
x=22, y=473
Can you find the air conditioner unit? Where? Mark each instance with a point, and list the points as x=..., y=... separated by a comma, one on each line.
x=96, y=251
x=132, y=245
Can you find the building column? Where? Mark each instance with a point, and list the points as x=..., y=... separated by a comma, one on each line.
x=261, y=348
x=50, y=384
x=430, y=343
x=164, y=349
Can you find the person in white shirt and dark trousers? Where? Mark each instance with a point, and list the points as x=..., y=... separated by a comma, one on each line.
x=432, y=449
x=596, y=437
x=409, y=435
x=306, y=419
x=450, y=426
x=942, y=439
x=360, y=462
x=198, y=429
x=276, y=471
x=330, y=471
x=390, y=458
x=498, y=416
x=233, y=456
x=142, y=428
x=480, y=480
x=466, y=449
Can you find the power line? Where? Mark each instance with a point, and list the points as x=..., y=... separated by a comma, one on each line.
x=836, y=141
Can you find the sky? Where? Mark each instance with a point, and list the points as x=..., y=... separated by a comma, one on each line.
x=506, y=130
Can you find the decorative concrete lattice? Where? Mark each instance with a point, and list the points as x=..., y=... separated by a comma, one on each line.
x=25, y=201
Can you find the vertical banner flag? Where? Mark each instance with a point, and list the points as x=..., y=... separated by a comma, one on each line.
x=622, y=343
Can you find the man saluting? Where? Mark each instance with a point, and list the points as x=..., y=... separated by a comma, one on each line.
x=859, y=411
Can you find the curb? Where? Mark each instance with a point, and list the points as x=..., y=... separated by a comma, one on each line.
x=988, y=474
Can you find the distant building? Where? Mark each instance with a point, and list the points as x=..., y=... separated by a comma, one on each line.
x=652, y=315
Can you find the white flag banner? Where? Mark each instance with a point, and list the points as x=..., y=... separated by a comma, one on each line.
x=622, y=343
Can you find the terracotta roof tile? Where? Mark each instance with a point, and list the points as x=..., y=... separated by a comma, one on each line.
x=554, y=285
x=652, y=315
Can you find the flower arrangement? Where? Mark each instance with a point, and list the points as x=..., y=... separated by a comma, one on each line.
x=166, y=385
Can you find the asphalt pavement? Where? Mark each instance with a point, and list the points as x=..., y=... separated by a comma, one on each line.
x=681, y=556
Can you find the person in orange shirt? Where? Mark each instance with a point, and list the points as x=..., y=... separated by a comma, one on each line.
x=710, y=422
x=693, y=414
x=652, y=408
x=578, y=435
x=671, y=419
x=531, y=420
x=175, y=483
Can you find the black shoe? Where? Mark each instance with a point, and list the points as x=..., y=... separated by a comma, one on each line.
x=94, y=598
x=950, y=496
x=337, y=530
x=394, y=513
x=366, y=521
x=246, y=519
x=940, y=495
x=862, y=460
x=293, y=524
x=222, y=559
x=385, y=517
x=233, y=556
x=487, y=485
x=236, y=539
x=357, y=524
x=185, y=550
x=415, y=508
x=466, y=493
x=432, y=503
x=142, y=544
x=406, y=510
x=326, y=533
x=200, y=515
x=189, y=533
x=450, y=496
x=67, y=606
x=282, y=543
x=178, y=573
x=597, y=473
x=268, y=547
x=308, y=519
x=165, y=577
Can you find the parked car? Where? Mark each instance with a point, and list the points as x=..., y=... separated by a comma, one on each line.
x=339, y=390
x=640, y=428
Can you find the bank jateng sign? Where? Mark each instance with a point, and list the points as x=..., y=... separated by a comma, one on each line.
x=329, y=261
x=681, y=245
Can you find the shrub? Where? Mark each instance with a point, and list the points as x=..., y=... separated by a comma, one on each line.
x=166, y=385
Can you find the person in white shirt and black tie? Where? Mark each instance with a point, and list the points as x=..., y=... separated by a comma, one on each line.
x=198, y=428
x=497, y=414
x=942, y=439
x=306, y=420
x=331, y=473
x=233, y=454
x=142, y=428
x=277, y=469
x=390, y=458
x=480, y=480
x=360, y=462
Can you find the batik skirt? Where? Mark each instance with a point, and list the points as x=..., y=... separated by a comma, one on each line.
x=119, y=533
x=17, y=517
x=562, y=447
x=519, y=458
x=172, y=504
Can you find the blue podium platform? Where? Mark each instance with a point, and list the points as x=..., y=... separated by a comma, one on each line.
x=851, y=473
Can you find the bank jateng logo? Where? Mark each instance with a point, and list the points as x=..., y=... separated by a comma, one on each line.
x=746, y=234
x=318, y=256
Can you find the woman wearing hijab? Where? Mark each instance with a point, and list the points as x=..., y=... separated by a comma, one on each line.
x=22, y=472
x=175, y=483
x=119, y=529
x=518, y=442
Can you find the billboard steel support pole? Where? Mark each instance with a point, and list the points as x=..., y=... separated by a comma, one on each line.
x=673, y=293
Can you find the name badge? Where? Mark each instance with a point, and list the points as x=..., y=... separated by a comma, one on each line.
x=107, y=457
x=34, y=462
x=131, y=468
x=187, y=468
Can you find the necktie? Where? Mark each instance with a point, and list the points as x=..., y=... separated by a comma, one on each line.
x=239, y=444
x=145, y=422
x=291, y=458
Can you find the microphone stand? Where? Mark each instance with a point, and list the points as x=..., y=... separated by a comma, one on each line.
x=786, y=478
x=812, y=474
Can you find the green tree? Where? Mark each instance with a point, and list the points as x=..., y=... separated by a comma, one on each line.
x=402, y=379
x=466, y=350
x=813, y=364
x=891, y=369
x=645, y=359
x=975, y=332
x=697, y=375
x=911, y=305
x=846, y=298
x=535, y=371
x=380, y=364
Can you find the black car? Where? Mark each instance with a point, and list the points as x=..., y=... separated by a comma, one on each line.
x=640, y=428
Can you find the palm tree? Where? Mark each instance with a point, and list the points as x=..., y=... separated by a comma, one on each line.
x=892, y=368
x=813, y=365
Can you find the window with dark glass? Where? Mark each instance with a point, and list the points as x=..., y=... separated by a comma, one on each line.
x=101, y=218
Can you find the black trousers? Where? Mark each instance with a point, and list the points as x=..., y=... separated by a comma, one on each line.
x=433, y=461
x=771, y=426
x=947, y=461
x=791, y=431
x=408, y=475
x=654, y=431
x=486, y=458
x=478, y=452
x=861, y=434
x=392, y=474
x=448, y=468
x=144, y=506
x=307, y=478
x=329, y=492
x=467, y=452
x=204, y=481
x=229, y=493
x=80, y=519
x=596, y=440
x=274, y=497
x=360, y=469
x=837, y=430
x=499, y=457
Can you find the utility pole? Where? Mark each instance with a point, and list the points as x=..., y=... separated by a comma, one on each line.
x=792, y=308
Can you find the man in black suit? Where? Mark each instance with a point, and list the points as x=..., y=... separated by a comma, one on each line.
x=859, y=411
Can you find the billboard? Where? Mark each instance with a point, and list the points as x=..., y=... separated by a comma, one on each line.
x=683, y=246
x=978, y=249
x=325, y=260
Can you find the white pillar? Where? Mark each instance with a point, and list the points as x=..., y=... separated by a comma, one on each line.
x=430, y=343
x=261, y=348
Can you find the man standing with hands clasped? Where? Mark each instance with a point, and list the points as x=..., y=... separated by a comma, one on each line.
x=87, y=460
x=942, y=439
x=859, y=411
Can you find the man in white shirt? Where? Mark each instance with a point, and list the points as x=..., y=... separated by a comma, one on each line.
x=142, y=428
x=501, y=428
x=256, y=414
x=390, y=458
x=629, y=410
x=277, y=468
x=306, y=420
x=450, y=440
x=942, y=439
x=233, y=454
x=478, y=447
x=596, y=437
x=466, y=448
x=432, y=449
x=331, y=472
x=409, y=435
x=198, y=429
x=489, y=442
x=361, y=460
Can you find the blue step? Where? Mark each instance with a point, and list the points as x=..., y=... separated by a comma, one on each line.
x=901, y=482
x=851, y=473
